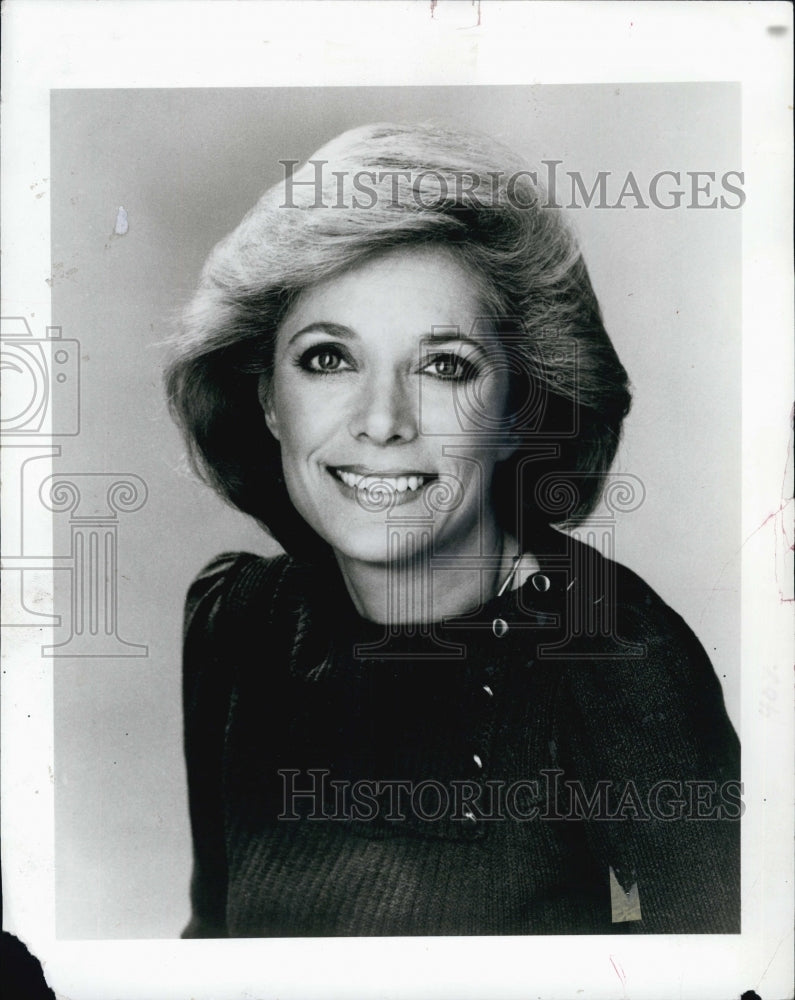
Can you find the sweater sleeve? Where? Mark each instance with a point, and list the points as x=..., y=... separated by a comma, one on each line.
x=655, y=728
x=207, y=687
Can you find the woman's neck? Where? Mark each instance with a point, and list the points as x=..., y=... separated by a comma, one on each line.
x=419, y=587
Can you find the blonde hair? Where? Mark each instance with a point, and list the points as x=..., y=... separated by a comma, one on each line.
x=372, y=189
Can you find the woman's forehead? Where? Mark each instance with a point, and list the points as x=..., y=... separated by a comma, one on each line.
x=425, y=290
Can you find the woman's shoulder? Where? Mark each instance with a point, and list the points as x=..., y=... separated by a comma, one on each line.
x=618, y=634
x=635, y=657
x=596, y=579
x=230, y=578
x=223, y=567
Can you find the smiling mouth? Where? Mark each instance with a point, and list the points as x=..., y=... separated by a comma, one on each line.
x=402, y=482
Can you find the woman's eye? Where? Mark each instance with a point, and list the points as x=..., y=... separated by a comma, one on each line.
x=324, y=360
x=450, y=367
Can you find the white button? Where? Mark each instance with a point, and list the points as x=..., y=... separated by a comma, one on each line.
x=488, y=690
x=477, y=760
x=499, y=627
x=541, y=582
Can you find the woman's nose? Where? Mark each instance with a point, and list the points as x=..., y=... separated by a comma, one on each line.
x=385, y=412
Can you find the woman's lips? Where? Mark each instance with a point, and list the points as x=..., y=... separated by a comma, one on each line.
x=393, y=482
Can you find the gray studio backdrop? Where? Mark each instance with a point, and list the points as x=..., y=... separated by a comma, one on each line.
x=185, y=165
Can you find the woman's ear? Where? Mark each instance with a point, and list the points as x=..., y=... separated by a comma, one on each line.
x=265, y=396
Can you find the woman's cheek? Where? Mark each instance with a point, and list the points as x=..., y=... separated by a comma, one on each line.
x=442, y=409
x=482, y=409
x=300, y=400
x=456, y=413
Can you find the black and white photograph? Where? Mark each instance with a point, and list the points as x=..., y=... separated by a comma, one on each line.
x=398, y=537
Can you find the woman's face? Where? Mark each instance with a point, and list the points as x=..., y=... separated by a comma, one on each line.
x=383, y=386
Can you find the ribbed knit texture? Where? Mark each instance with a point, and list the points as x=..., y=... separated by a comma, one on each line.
x=272, y=682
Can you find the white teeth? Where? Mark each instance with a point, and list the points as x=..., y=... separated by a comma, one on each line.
x=398, y=484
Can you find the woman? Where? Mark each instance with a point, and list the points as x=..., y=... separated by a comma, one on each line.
x=436, y=714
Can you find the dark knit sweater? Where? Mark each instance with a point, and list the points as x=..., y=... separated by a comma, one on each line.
x=591, y=736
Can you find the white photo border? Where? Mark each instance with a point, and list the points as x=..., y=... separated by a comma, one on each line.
x=169, y=43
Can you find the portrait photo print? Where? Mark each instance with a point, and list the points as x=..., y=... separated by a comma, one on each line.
x=487, y=353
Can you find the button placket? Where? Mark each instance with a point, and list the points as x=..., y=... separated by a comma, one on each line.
x=484, y=707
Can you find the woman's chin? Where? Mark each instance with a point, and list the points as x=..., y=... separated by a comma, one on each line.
x=383, y=545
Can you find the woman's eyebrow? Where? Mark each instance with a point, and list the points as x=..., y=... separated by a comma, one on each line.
x=321, y=326
x=347, y=333
x=453, y=336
